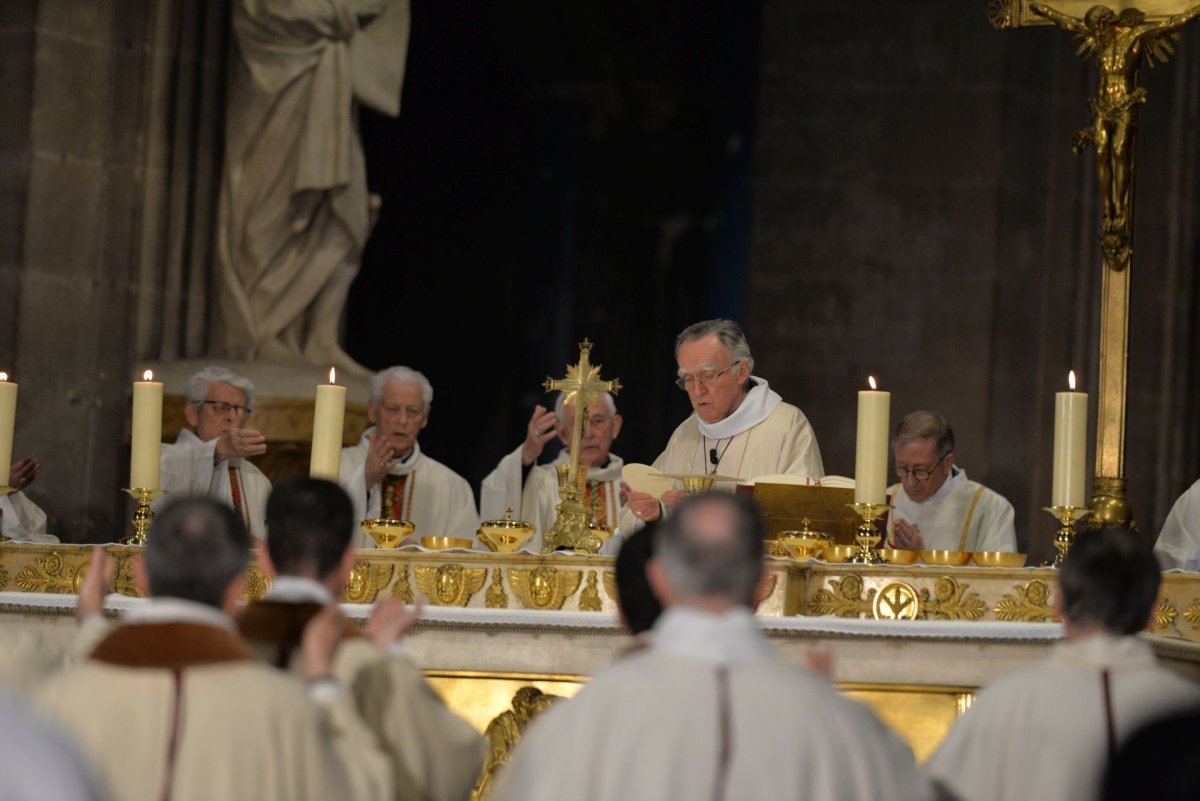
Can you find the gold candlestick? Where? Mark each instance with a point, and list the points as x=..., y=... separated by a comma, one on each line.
x=1065, y=536
x=142, y=516
x=868, y=535
x=4, y=491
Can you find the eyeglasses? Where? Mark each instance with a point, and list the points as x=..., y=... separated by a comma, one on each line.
x=919, y=473
x=223, y=408
x=686, y=382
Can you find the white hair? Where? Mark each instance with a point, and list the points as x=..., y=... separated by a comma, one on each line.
x=200, y=384
x=400, y=375
x=560, y=405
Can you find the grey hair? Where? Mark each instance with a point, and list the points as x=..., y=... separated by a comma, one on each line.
x=711, y=559
x=1109, y=579
x=401, y=375
x=560, y=405
x=925, y=425
x=200, y=384
x=730, y=334
x=197, y=547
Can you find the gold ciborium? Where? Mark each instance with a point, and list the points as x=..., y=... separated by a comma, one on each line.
x=1065, y=536
x=868, y=535
x=387, y=532
x=505, y=536
x=142, y=516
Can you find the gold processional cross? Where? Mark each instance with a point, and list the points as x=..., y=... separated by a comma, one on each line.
x=581, y=387
x=1118, y=39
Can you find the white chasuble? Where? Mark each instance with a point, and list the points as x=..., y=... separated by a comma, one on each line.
x=188, y=470
x=962, y=515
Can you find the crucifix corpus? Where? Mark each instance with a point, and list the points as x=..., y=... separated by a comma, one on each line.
x=1118, y=37
x=581, y=387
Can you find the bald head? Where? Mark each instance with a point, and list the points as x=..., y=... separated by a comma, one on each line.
x=710, y=550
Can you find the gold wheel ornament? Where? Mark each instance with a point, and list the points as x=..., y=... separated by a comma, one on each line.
x=896, y=601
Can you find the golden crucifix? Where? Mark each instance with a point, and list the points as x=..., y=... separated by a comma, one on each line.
x=1118, y=39
x=581, y=388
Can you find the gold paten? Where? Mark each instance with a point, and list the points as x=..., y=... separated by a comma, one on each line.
x=581, y=387
x=1028, y=603
x=998, y=559
x=446, y=543
x=589, y=599
x=946, y=558
x=402, y=589
x=543, y=587
x=366, y=580
x=496, y=598
x=450, y=584
x=896, y=601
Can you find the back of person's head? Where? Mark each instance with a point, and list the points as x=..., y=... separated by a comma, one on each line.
x=711, y=549
x=196, y=548
x=639, y=605
x=1109, y=580
x=310, y=522
x=1156, y=762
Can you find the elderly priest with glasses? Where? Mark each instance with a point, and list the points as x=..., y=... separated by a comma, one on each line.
x=740, y=428
x=210, y=458
x=936, y=506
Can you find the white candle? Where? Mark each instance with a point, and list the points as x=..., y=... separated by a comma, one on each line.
x=145, y=447
x=8, y=419
x=1070, y=446
x=871, y=452
x=328, y=419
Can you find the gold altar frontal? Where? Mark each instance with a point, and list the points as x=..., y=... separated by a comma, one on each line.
x=913, y=641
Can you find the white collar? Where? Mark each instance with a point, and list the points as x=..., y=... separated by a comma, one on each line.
x=297, y=589
x=957, y=476
x=178, y=610
x=1103, y=650
x=757, y=406
x=716, y=639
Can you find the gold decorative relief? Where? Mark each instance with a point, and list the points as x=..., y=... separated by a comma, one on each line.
x=3, y=578
x=610, y=585
x=951, y=601
x=589, y=599
x=402, y=589
x=50, y=574
x=543, y=587
x=843, y=598
x=896, y=601
x=123, y=574
x=497, y=598
x=1028, y=603
x=257, y=583
x=505, y=731
x=450, y=584
x=1164, y=614
x=1192, y=614
x=366, y=580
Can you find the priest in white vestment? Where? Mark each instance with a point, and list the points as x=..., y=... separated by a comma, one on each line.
x=37, y=761
x=1047, y=732
x=708, y=709
x=1178, y=542
x=22, y=520
x=387, y=475
x=937, y=508
x=212, y=459
x=172, y=704
x=530, y=489
x=435, y=754
x=740, y=427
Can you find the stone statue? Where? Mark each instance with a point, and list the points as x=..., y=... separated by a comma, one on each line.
x=1118, y=42
x=294, y=211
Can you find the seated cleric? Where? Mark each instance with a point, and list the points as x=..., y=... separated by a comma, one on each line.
x=936, y=506
x=740, y=427
x=210, y=459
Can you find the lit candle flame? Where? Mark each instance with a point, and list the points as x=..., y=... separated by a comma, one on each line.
x=1071, y=380
x=332, y=376
x=148, y=375
x=871, y=381
x=3, y=376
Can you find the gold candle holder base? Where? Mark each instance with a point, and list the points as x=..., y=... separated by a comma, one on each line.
x=142, y=516
x=868, y=535
x=1065, y=536
x=4, y=491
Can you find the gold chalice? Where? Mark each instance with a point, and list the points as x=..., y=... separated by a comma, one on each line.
x=505, y=536
x=386, y=532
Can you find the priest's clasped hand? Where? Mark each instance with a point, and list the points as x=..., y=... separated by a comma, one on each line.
x=240, y=443
x=907, y=536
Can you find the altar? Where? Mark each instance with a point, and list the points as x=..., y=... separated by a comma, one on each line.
x=914, y=642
